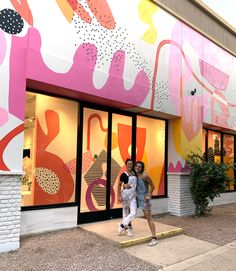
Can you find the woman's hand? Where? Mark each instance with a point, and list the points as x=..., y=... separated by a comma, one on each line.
x=126, y=186
x=148, y=196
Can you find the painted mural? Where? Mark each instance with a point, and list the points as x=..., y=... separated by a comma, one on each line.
x=132, y=52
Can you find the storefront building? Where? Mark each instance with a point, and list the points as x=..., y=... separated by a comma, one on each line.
x=85, y=85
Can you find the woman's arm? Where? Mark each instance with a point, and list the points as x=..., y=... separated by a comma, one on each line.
x=119, y=191
x=151, y=185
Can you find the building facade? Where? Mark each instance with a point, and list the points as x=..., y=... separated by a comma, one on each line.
x=86, y=84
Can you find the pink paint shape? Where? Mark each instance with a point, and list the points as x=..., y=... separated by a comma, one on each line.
x=17, y=84
x=3, y=46
x=3, y=116
x=80, y=75
x=178, y=168
x=215, y=77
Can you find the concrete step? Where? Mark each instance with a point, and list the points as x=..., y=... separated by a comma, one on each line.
x=141, y=231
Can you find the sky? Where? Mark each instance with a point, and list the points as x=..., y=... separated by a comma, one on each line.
x=225, y=8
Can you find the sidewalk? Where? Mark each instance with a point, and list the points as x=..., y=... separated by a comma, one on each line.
x=189, y=254
x=219, y=259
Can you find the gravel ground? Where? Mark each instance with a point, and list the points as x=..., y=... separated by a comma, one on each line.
x=70, y=250
x=218, y=226
x=76, y=249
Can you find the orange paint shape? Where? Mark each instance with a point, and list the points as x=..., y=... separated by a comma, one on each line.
x=100, y=9
x=83, y=14
x=23, y=9
x=124, y=141
x=102, y=12
x=52, y=162
x=66, y=9
x=79, y=9
x=5, y=141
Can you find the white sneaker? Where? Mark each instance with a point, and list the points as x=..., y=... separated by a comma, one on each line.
x=120, y=229
x=153, y=242
x=129, y=233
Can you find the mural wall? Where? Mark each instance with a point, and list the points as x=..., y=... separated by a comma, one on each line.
x=132, y=52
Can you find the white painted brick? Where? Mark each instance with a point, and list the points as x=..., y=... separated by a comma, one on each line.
x=3, y=228
x=4, y=201
x=5, y=232
x=4, y=192
x=5, y=223
x=10, y=227
x=10, y=201
x=12, y=218
x=16, y=223
x=2, y=215
x=16, y=230
x=4, y=219
x=4, y=210
x=180, y=199
x=4, y=196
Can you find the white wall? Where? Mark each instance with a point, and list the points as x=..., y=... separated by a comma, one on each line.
x=38, y=221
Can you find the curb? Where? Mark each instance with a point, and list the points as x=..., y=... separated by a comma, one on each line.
x=160, y=235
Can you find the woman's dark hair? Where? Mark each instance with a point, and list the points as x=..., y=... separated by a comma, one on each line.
x=127, y=160
x=142, y=164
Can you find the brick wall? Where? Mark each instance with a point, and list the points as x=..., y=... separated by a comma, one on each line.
x=180, y=201
x=10, y=204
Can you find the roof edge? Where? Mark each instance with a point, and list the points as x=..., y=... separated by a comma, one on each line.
x=216, y=18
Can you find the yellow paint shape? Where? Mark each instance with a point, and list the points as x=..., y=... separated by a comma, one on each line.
x=66, y=9
x=182, y=145
x=155, y=174
x=146, y=10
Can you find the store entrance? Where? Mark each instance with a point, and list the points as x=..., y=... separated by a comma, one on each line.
x=107, y=140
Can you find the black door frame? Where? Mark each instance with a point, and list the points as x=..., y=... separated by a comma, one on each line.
x=108, y=213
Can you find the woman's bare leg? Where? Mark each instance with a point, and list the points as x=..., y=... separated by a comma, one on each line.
x=148, y=216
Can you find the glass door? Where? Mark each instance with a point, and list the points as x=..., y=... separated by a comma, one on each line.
x=106, y=144
x=94, y=165
x=121, y=149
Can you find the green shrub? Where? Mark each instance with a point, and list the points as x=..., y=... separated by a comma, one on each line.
x=207, y=180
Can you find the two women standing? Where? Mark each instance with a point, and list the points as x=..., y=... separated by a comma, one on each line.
x=136, y=185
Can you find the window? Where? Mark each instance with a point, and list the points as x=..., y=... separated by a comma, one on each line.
x=50, y=144
x=220, y=147
x=107, y=137
x=214, y=146
x=228, y=154
x=150, y=148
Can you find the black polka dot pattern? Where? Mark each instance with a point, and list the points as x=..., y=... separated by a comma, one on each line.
x=162, y=96
x=109, y=42
x=11, y=21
